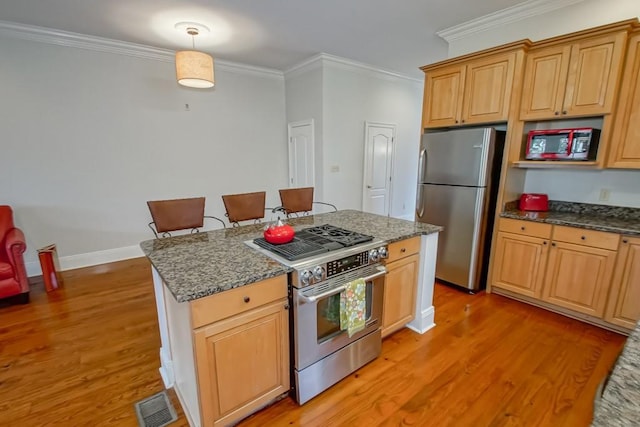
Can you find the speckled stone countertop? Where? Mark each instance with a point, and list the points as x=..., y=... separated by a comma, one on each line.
x=197, y=265
x=620, y=403
x=613, y=219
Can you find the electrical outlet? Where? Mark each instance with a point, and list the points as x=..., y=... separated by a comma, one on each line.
x=335, y=168
x=604, y=195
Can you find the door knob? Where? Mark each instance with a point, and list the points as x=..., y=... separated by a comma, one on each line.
x=368, y=186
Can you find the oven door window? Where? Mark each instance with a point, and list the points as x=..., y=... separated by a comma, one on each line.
x=328, y=314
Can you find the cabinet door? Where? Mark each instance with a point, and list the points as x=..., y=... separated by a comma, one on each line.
x=623, y=308
x=399, y=294
x=443, y=92
x=578, y=277
x=242, y=363
x=519, y=264
x=594, y=72
x=545, y=82
x=487, y=92
x=625, y=150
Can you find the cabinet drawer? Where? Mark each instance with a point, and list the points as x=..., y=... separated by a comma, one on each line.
x=526, y=228
x=229, y=303
x=403, y=248
x=578, y=236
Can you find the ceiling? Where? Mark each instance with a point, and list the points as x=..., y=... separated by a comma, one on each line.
x=393, y=35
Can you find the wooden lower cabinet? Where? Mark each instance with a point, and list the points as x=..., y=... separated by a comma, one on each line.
x=623, y=308
x=587, y=272
x=242, y=363
x=578, y=277
x=519, y=263
x=400, y=284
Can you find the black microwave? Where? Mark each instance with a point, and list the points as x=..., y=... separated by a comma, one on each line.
x=563, y=144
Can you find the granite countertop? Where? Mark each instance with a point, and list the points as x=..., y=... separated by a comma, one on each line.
x=197, y=265
x=620, y=403
x=613, y=219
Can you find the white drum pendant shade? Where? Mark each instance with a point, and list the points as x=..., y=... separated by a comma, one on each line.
x=194, y=69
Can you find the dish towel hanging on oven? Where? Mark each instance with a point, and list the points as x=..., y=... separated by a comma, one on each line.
x=353, y=305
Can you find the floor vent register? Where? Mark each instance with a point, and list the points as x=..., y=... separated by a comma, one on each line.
x=155, y=411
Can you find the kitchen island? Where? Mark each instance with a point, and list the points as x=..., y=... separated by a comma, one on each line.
x=191, y=273
x=619, y=404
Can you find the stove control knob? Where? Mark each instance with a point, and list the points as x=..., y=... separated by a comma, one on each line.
x=382, y=251
x=305, y=277
x=373, y=255
x=318, y=273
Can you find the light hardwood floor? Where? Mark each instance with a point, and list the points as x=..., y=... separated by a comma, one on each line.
x=84, y=354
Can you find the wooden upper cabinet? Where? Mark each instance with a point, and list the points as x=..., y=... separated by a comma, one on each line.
x=488, y=89
x=545, y=81
x=470, y=92
x=625, y=148
x=573, y=80
x=443, y=92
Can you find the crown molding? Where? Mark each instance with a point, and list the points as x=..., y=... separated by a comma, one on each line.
x=326, y=59
x=505, y=16
x=117, y=47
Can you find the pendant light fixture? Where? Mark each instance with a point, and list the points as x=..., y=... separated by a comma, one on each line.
x=193, y=68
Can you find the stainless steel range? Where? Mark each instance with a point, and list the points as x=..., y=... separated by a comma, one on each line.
x=324, y=260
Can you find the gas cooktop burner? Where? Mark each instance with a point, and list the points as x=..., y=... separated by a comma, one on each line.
x=315, y=241
x=339, y=235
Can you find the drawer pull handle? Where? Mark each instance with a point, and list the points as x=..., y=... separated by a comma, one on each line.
x=564, y=112
x=553, y=244
x=246, y=299
x=625, y=241
x=286, y=306
x=522, y=228
x=544, y=243
x=403, y=250
x=583, y=237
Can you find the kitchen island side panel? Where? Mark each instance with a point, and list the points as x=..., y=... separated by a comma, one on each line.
x=425, y=311
x=183, y=357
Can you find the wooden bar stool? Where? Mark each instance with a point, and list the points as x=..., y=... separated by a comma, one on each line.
x=177, y=214
x=299, y=201
x=244, y=207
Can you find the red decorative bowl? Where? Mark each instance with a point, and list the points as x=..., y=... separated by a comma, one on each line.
x=279, y=234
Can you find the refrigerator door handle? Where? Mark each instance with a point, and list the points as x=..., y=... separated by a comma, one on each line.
x=419, y=204
x=421, y=167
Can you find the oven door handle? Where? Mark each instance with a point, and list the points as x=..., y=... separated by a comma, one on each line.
x=313, y=298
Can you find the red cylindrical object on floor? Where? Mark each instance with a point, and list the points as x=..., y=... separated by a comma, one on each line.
x=49, y=264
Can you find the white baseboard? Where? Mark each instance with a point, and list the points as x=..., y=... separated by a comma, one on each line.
x=424, y=321
x=88, y=259
x=166, y=369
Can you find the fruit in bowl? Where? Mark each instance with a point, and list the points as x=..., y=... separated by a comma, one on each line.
x=279, y=233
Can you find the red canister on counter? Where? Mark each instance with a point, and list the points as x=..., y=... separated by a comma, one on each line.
x=534, y=202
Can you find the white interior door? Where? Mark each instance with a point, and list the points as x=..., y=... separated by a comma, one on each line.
x=301, y=154
x=378, y=161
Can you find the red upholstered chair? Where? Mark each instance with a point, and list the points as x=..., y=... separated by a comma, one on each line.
x=13, y=274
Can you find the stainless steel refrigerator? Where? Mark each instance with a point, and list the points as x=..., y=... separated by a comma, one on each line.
x=458, y=175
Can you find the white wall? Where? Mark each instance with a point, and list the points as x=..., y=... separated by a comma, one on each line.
x=585, y=186
x=304, y=101
x=569, y=185
x=352, y=96
x=575, y=17
x=88, y=137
